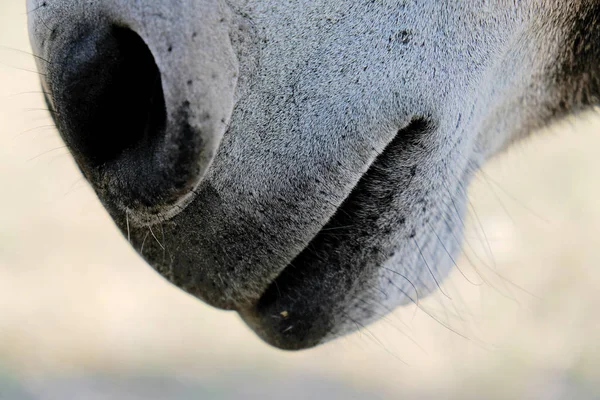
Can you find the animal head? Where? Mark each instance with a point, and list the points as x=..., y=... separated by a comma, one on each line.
x=304, y=163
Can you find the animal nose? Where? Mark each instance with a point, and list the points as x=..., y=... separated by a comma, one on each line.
x=141, y=107
x=109, y=101
x=110, y=107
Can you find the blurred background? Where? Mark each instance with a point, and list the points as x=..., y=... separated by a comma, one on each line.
x=83, y=317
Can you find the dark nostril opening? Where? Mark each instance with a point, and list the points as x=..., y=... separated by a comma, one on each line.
x=113, y=98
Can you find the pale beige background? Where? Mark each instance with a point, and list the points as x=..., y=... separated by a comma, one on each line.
x=76, y=300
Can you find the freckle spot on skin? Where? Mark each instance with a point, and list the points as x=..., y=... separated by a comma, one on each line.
x=53, y=34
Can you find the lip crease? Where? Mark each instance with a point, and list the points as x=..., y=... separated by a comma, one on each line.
x=307, y=300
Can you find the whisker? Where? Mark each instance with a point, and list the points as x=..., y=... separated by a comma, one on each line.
x=384, y=318
x=429, y=269
x=24, y=52
x=464, y=227
x=46, y=152
x=521, y=288
x=73, y=185
x=374, y=338
x=51, y=112
x=336, y=228
x=60, y=157
x=480, y=224
x=127, y=222
x=23, y=69
x=164, y=241
x=143, y=243
x=430, y=315
x=500, y=202
x=44, y=4
x=33, y=129
x=513, y=198
x=45, y=24
x=391, y=282
x=155, y=238
x=409, y=282
x=469, y=246
x=436, y=319
x=451, y=257
x=31, y=92
x=494, y=270
x=474, y=266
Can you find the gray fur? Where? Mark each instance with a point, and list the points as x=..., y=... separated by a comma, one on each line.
x=294, y=102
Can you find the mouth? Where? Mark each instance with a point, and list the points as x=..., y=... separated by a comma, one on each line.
x=313, y=296
x=301, y=299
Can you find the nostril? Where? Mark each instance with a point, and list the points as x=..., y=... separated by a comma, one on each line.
x=113, y=98
x=142, y=137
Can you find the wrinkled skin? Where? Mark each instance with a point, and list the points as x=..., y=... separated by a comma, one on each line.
x=304, y=162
